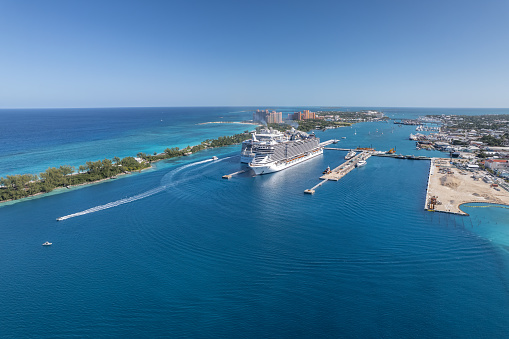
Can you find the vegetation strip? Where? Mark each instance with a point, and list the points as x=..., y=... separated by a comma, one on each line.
x=14, y=187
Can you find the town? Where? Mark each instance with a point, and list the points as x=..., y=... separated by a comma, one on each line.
x=472, y=141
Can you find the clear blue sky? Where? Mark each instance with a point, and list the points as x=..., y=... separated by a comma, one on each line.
x=446, y=53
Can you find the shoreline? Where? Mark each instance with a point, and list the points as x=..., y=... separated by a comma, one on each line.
x=60, y=190
x=146, y=159
x=229, y=122
x=63, y=189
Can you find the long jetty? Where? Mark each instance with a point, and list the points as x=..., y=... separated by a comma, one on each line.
x=229, y=176
x=312, y=190
x=345, y=168
x=379, y=154
x=328, y=142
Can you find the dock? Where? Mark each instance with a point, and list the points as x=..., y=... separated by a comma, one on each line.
x=229, y=176
x=328, y=142
x=337, y=148
x=312, y=190
x=381, y=154
x=340, y=171
x=401, y=156
x=345, y=168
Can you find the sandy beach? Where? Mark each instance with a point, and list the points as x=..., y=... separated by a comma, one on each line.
x=455, y=189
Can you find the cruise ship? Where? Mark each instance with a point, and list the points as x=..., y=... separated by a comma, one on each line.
x=266, y=134
x=276, y=154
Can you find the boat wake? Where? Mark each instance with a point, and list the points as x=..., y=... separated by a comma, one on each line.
x=166, y=183
x=114, y=203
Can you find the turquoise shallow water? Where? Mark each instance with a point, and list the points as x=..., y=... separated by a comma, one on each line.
x=34, y=140
x=254, y=256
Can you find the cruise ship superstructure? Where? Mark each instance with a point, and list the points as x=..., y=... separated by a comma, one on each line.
x=247, y=155
x=277, y=152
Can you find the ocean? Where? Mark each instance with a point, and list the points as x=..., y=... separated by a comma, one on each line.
x=195, y=255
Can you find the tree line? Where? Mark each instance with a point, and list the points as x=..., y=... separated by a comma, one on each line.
x=19, y=186
x=311, y=124
x=491, y=140
x=23, y=185
x=209, y=143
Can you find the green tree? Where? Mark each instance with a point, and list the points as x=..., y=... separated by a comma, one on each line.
x=107, y=167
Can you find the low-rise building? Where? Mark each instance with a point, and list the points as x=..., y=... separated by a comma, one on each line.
x=497, y=164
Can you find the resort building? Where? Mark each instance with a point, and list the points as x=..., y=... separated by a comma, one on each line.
x=274, y=118
x=304, y=115
x=268, y=117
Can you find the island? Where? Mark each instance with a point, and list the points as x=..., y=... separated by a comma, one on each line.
x=19, y=186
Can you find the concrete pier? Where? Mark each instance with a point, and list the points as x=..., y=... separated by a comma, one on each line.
x=376, y=154
x=401, y=156
x=312, y=190
x=340, y=171
x=338, y=149
x=345, y=168
x=229, y=176
x=328, y=142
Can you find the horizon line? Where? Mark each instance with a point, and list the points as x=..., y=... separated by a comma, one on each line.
x=254, y=106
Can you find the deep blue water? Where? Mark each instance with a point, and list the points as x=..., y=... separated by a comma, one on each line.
x=254, y=256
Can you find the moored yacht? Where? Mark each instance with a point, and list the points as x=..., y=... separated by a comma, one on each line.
x=361, y=163
x=350, y=155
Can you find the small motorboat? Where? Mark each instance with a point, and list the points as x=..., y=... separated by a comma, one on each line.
x=327, y=170
x=214, y=158
x=47, y=243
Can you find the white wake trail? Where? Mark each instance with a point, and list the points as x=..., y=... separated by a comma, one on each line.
x=115, y=203
x=139, y=196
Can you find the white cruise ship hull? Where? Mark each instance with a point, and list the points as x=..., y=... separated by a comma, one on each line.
x=276, y=166
x=245, y=159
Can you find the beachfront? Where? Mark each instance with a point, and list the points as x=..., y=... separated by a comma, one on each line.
x=452, y=189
